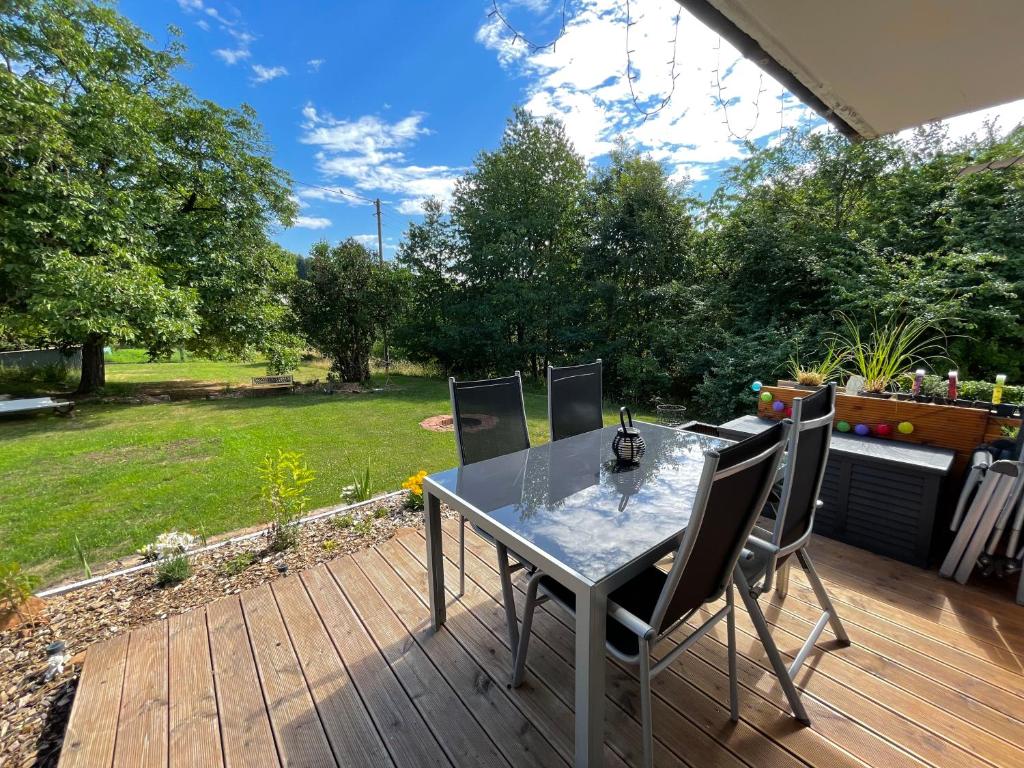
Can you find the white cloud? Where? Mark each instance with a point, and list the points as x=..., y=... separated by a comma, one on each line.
x=199, y=6
x=311, y=222
x=231, y=56
x=366, y=240
x=583, y=82
x=315, y=64
x=371, y=152
x=262, y=74
x=204, y=25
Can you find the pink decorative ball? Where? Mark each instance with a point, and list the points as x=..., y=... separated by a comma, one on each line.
x=883, y=430
x=778, y=406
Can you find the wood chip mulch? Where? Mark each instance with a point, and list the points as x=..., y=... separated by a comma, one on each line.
x=34, y=712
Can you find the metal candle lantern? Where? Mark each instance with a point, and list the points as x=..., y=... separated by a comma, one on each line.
x=627, y=444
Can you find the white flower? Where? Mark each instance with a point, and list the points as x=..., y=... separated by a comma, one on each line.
x=169, y=544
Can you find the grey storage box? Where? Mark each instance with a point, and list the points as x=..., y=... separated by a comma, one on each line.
x=880, y=495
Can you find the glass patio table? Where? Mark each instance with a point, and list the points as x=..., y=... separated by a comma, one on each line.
x=567, y=508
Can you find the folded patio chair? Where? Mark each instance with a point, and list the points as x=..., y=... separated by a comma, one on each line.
x=771, y=551
x=489, y=418
x=574, y=399
x=652, y=606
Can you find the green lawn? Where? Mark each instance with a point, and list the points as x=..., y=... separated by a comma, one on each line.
x=117, y=475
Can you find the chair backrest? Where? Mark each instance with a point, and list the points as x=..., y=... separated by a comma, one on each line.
x=733, y=488
x=806, y=458
x=489, y=418
x=574, y=399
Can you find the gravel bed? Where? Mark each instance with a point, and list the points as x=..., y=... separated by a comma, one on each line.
x=34, y=712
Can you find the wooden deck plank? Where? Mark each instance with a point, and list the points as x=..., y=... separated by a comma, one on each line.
x=513, y=733
x=351, y=655
x=92, y=725
x=547, y=712
x=454, y=725
x=346, y=722
x=142, y=725
x=408, y=739
x=973, y=700
x=194, y=740
x=300, y=737
x=247, y=738
x=851, y=737
x=677, y=735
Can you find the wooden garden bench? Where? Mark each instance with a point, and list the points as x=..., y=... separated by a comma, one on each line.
x=266, y=383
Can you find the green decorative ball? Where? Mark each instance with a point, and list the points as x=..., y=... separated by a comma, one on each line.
x=843, y=426
x=766, y=397
x=905, y=427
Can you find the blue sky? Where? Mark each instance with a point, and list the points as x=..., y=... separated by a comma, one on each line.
x=394, y=99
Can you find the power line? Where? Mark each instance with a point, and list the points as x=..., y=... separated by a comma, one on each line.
x=495, y=13
x=672, y=66
x=337, y=191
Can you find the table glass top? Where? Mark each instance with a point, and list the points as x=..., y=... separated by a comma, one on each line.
x=570, y=500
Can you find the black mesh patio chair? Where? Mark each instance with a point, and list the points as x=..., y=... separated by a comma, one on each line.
x=489, y=417
x=574, y=399
x=733, y=488
x=772, y=550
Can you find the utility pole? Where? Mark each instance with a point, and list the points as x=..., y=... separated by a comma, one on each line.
x=380, y=236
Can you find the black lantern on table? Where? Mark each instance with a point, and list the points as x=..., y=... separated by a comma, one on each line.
x=627, y=444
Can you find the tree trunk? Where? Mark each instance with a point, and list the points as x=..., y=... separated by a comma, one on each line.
x=94, y=370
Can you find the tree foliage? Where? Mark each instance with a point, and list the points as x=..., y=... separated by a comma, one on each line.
x=131, y=210
x=344, y=304
x=540, y=262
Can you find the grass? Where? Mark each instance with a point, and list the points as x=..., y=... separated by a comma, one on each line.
x=118, y=475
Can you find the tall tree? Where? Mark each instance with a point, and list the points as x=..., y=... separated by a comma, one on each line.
x=519, y=215
x=342, y=305
x=131, y=211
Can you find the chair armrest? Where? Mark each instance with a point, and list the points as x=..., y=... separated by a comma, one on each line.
x=630, y=621
x=753, y=542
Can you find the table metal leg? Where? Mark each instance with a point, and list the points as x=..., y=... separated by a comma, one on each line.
x=591, y=616
x=435, y=559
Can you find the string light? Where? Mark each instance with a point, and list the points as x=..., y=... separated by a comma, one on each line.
x=672, y=67
x=716, y=83
x=495, y=13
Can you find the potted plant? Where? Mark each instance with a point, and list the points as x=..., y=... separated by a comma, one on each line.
x=816, y=375
x=887, y=349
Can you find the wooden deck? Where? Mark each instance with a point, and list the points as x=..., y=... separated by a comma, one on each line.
x=336, y=666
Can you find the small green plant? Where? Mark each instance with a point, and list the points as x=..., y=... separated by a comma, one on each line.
x=1010, y=432
x=888, y=348
x=239, y=563
x=173, y=570
x=342, y=522
x=819, y=373
x=15, y=587
x=283, y=494
x=81, y=558
x=359, y=490
x=330, y=545
x=364, y=527
x=380, y=514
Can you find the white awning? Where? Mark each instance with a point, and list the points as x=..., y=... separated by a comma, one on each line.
x=875, y=67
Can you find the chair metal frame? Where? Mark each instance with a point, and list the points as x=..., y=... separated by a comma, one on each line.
x=774, y=549
x=552, y=369
x=505, y=565
x=647, y=634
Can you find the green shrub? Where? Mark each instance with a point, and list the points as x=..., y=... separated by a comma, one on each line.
x=239, y=563
x=342, y=522
x=173, y=570
x=283, y=495
x=360, y=489
x=283, y=359
x=15, y=587
x=969, y=390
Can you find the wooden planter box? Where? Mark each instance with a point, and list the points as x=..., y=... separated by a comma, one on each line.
x=941, y=426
